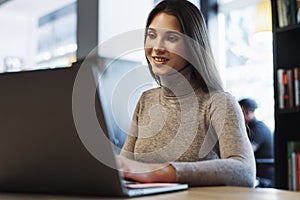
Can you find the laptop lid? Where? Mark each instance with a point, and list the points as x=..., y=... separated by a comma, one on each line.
x=44, y=148
x=40, y=148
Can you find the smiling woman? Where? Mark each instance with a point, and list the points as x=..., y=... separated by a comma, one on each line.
x=189, y=129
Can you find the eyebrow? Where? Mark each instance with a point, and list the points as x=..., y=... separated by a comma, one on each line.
x=168, y=32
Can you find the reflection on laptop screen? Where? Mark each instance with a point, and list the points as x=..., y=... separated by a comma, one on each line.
x=120, y=87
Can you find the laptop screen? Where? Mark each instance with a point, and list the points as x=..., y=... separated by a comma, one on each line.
x=121, y=84
x=41, y=148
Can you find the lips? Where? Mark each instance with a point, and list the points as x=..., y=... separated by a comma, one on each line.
x=160, y=60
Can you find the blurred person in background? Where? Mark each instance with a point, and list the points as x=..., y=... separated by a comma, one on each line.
x=262, y=143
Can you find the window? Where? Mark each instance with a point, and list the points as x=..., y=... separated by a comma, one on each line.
x=126, y=20
x=57, y=37
x=245, y=57
x=37, y=34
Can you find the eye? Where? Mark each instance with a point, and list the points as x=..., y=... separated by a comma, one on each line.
x=172, y=38
x=151, y=35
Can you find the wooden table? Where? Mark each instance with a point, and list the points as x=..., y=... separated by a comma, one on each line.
x=197, y=193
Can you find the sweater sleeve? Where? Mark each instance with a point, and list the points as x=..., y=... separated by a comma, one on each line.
x=128, y=148
x=236, y=165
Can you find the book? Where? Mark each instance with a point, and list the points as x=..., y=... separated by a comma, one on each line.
x=282, y=13
x=288, y=91
x=294, y=174
x=296, y=86
x=298, y=171
x=293, y=11
x=290, y=85
x=290, y=176
x=288, y=12
x=298, y=10
x=280, y=88
x=293, y=165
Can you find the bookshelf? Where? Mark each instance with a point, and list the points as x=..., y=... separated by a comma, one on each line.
x=286, y=52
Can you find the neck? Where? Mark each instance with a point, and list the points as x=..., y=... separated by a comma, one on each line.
x=179, y=83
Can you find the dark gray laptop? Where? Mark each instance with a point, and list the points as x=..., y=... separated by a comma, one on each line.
x=41, y=150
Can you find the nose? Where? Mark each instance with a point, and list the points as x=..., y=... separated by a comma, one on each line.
x=159, y=46
x=159, y=50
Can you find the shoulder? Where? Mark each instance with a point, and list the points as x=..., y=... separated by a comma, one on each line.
x=215, y=96
x=223, y=99
x=224, y=105
x=151, y=93
x=146, y=99
x=148, y=96
x=261, y=127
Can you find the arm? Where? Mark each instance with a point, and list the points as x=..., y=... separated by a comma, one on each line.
x=237, y=164
x=260, y=135
x=128, y=148
x=146, y=172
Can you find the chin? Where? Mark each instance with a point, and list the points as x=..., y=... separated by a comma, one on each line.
x=161, y=72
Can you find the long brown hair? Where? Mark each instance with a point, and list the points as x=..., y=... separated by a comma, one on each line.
x=198, y=46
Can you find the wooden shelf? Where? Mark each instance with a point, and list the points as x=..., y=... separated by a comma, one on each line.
x=289, y=110
x=286, y=48
x=288, y=28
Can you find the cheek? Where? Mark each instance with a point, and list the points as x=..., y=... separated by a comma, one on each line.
x=148, y=51
x=148, y=47
x=177, y=50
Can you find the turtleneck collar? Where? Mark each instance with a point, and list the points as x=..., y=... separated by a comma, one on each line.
x=180, y=83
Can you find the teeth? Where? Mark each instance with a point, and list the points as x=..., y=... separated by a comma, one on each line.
x=160, y=59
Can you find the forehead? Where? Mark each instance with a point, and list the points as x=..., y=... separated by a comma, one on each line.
x=166, y=21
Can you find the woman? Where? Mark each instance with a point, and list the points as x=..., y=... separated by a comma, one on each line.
x=187, y=130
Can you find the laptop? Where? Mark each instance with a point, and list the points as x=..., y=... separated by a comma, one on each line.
x=44, y=147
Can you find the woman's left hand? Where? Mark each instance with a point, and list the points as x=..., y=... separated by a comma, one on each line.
x=146, y=172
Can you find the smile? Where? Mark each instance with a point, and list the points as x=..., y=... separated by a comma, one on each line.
x=160, y=59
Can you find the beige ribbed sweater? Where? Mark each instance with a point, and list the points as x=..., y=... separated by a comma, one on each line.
x=201, y=134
